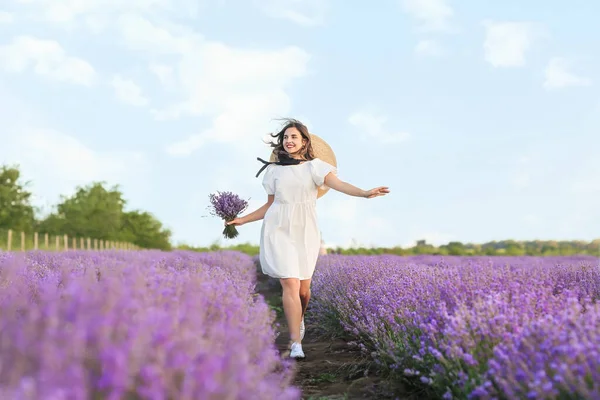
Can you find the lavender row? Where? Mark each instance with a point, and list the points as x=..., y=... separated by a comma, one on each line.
x=470, y=327
x=153, y=325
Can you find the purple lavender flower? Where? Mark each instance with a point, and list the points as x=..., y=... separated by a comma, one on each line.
x=470, y=327
x=155, y=325
x=227, y=206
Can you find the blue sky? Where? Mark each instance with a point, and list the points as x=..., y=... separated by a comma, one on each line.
x=482, y=117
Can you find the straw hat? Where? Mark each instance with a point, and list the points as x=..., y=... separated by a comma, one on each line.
x=321, y=150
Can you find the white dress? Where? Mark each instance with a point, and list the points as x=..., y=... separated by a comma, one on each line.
x=290, y=237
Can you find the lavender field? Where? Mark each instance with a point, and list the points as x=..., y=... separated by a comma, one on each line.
x=184, y=325
x=460, y=327
x=148, y=324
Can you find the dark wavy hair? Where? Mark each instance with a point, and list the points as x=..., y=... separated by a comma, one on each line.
x=306, y=153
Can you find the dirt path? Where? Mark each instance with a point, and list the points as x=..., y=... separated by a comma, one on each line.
x=332, y=369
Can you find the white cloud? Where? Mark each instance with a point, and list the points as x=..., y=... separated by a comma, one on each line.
x=373, y=126
x=186, y=146
x=141, y=34
x=68, y=157
x=506, y=43
x=128, y=91
x=45, y=58
x=557, y=75
x=66, y=11
x=164, y=73
x=56, y=162
x=219, y=77
x=433, y=15
x=6, y=17
x=301, y=12
x=428, y=47
x=97, y=23
x=240, y=90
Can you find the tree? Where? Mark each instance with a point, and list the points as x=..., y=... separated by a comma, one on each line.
x=93, y=211
x=514, y=249
x=144, y=230
x=456, y=248
x=16, y=211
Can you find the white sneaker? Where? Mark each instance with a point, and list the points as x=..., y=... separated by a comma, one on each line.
x=297, y=352
x=302, y=329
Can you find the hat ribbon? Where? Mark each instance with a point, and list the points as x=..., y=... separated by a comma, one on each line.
x=285, y=160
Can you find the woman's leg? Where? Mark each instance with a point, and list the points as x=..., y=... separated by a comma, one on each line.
x=304, y=299
x=292, y=307
x=304, y=294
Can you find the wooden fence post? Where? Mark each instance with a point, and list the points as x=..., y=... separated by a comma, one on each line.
x=89, y=243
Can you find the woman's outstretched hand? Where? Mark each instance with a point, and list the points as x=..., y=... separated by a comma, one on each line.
x=235, y=222
x=378, y=191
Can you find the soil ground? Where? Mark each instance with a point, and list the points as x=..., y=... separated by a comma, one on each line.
x=332, y=368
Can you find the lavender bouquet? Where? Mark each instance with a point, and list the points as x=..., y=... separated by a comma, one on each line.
x=227, y=206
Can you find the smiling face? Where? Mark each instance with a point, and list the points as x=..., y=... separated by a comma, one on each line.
x=293, y=141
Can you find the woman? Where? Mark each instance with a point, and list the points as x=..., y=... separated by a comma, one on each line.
x=290, y=237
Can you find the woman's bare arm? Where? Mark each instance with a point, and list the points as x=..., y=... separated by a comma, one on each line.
x=332, y=181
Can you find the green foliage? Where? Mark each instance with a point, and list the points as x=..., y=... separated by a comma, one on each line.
x=246, y=248
x=97, y=212
x=502, y=248
x=455, y=248
x=16, y=211
x=93, y=211
x=144, y=230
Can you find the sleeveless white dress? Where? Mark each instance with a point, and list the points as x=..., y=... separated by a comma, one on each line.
x=290, y=237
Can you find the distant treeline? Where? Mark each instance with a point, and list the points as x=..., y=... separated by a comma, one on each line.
x=98, y=212
x=496, y=248
x=93, y=211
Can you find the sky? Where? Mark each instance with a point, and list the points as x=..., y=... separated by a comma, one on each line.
x=482, y=117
